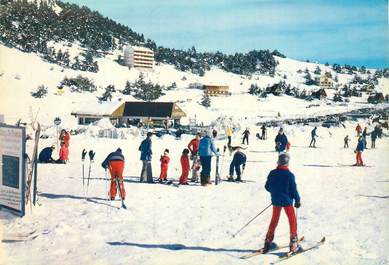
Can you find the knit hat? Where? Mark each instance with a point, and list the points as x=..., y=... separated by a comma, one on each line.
x=283, y=159
x=119, y=150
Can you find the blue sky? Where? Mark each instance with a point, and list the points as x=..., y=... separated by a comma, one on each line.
x=343, y=31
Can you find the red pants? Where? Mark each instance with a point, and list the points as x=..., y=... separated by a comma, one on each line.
x=184, y=176
x=116, y=170
x=359, y=159
x=163, y=175
x=274, y=221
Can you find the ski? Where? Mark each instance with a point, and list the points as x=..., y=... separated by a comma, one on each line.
x=217, y=175
x=273, y=248
x=170, y=182
x=32, y=167
x=18, y=237
x=292, y=254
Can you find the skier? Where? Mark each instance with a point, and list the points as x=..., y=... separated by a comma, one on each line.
x=193, y=147
x=264, y=132
x=246, y=134
x=281, y=141
x=283, y=189
x=238, y=160
x=359, y=150
x=63, y=154
x=64, y=137
x=358, y=129
x=229, y=135
x=145, y=156
x=115, y=163
x=373, y=138
x=185, y=167
x=313, y=138
x=346, y=140
x=164, y=165
x=45, y=156
x=206, y=150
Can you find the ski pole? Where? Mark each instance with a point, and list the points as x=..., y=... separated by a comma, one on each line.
x=251, y=220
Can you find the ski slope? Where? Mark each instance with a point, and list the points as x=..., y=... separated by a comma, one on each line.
x=193, y=224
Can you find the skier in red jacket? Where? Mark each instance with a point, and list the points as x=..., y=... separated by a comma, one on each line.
x=193, y=147
x=63, y=154
x=185, y=167
x=164, y=165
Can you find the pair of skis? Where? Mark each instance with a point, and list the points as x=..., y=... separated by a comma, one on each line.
x=217, y=173
x=287, y=255
x=33, y=170
x=91, y=160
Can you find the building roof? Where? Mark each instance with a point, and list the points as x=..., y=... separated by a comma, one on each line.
x=96, y=109
x=152, y=110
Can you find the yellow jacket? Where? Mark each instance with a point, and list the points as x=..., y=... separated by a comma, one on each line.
x=229, y=131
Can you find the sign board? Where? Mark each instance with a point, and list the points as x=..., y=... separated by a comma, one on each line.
x=12, y=168
x=57, y=121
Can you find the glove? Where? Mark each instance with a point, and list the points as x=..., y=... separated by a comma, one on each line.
x=244, y=166
x=91, y=155
x=83, y=154
x=297, y=204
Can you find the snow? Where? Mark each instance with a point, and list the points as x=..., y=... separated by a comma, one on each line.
x=191, y=224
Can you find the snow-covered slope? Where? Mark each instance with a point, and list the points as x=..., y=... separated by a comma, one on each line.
x=194, y=225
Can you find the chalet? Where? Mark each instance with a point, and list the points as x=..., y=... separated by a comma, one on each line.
x=325, y=82
x=216, y=90
x=132, y=112
x=319, y=94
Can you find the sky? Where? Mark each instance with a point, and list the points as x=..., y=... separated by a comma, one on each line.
x=354, y=32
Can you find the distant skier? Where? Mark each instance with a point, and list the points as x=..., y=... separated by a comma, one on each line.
x=313, y=138
x=358, y=129
x=360, y=148
x=193, y=147
x=45, y=156
x=281, y=141
x=206, y=150
x=346, y=140
x=373, y=138
x=185, y=167
x=238, y=160
x=283, y=189
x=115, y=163
x=145, y=156
x=164, y=165
x=264, y=132
x=229, y=135
x=246, y=134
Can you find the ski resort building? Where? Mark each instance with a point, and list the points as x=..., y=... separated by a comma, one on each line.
x=131, y=113
x=325, y=82
x=216, y=90
x=138, y=57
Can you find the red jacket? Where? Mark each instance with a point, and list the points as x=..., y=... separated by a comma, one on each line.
x=358, y=128
x=193, y=146
x=185, y=163
x=63, y=153
x=164, y=161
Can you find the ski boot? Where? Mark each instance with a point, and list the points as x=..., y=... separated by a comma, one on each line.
x=266, y=246
x=294, y=246
x=238, y=179
x=230, y=178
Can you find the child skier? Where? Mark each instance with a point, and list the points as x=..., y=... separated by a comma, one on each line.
x=282, y=187
x=193, y=147
x=281, y=141
x=63, y=154
x=238, y=160
x=359, y=150
x=115, y=163
x=185, y=167
x=164, y=165
x=346, y=140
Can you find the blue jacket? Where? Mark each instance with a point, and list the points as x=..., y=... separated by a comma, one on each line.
x=207, y=146
x=145, y=149
x=239, y=159
x=281, y=141
x=360, y=146
x=45, y=155
x=282, y=187
x=114, y=156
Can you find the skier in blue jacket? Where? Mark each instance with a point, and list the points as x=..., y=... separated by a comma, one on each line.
x=283, y=189
x=238, y=160
x=146, y=155
x=45, y=156
x=281, y=141
x=206, y=150
x=360, y=148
